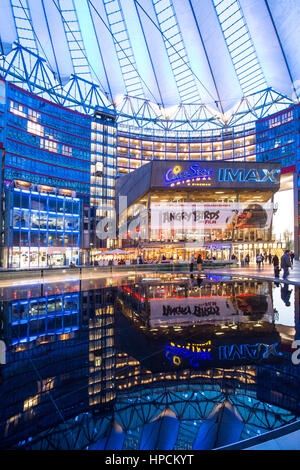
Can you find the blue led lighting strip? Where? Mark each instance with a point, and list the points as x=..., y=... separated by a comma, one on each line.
x=240, y=46
x=23, y=24
x=169, y=28
x=74, y=38
x=123, y=48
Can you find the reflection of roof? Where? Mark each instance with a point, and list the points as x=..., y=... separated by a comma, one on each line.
x=223, y=426
x=181, y=417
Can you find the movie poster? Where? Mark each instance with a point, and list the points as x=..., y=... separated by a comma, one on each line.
x=198, y=216
x=214, y=309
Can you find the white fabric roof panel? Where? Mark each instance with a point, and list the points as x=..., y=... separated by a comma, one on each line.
x=272, y=26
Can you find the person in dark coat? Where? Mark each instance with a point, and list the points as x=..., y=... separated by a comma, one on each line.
x=192, y=261
x=276, y=266
x=285, y=263
x=199, y=262
x=286, y=294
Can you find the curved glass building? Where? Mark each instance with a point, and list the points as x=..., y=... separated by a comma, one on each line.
x=92, y=90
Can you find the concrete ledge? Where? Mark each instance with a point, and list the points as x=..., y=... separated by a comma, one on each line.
x=283, y=431
x=52, y=272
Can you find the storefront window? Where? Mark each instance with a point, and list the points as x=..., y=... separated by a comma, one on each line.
x=70, y=223
x=24, y=239
x=37, y=232
x=34, y=239
x=52, y=222
x=60, y=205
x=43, y=203
x=52, y=204
x=60, y=240
x=25, y=200
x=34, y=257
x=16, y=238
x=68, y=206
x=34, y=220
x=17, y=218
x=43, y=239
x=43, y=221
x=17, y=199
x=35, y=202
x=43, y=259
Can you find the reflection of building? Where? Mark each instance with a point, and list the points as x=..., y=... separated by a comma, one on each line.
x=101, y=346
x=176, y=207
x=60, y=360
x=82, y=374
x=221, y=324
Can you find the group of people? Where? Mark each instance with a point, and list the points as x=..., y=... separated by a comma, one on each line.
x=286, y=262
x=197, y=260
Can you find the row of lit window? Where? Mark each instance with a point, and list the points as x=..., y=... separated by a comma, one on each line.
x=24, y=101
x=184, y=147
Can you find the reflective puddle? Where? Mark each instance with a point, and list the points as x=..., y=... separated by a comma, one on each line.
x=153, y=361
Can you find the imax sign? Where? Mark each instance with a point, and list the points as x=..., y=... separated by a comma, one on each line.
x=252, y=175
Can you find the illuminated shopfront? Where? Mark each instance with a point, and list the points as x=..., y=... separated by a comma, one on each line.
x=210, y=207
x=45, y=228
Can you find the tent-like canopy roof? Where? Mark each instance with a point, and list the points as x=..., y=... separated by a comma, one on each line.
x=167, y=52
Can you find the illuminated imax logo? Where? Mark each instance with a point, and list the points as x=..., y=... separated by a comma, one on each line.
x=242, y=175
x=195, y=173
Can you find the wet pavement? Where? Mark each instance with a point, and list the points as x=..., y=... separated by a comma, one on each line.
x=148, y=361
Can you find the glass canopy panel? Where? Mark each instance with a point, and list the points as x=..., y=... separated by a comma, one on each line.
x=240, y=46
x=74, y=38
x=23, y=24
x=176, y=51
x=123, y=48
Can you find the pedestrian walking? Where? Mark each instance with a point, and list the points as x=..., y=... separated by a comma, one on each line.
x=292, y=256
x=199, y=262
x=270, y=258
x=276, y=266
x=192, y=261
x=285, y=263
x=259, y=260
x=247, y=259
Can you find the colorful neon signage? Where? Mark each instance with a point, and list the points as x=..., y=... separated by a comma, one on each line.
x=253, y=175
x=193, y=352
x=195, y=174
x=248, y=351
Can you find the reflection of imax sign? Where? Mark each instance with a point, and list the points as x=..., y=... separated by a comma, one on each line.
x=248, y=351
x=195, y=171
x=242, y=175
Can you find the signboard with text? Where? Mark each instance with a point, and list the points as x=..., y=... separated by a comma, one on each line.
x=197, y=216
x=214, y=309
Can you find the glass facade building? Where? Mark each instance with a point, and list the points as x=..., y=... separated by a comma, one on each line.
x=139, y=146
x=46, y=143
x=42, y=229
x=277, y=140
x=50, y=149
x=103, y=177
